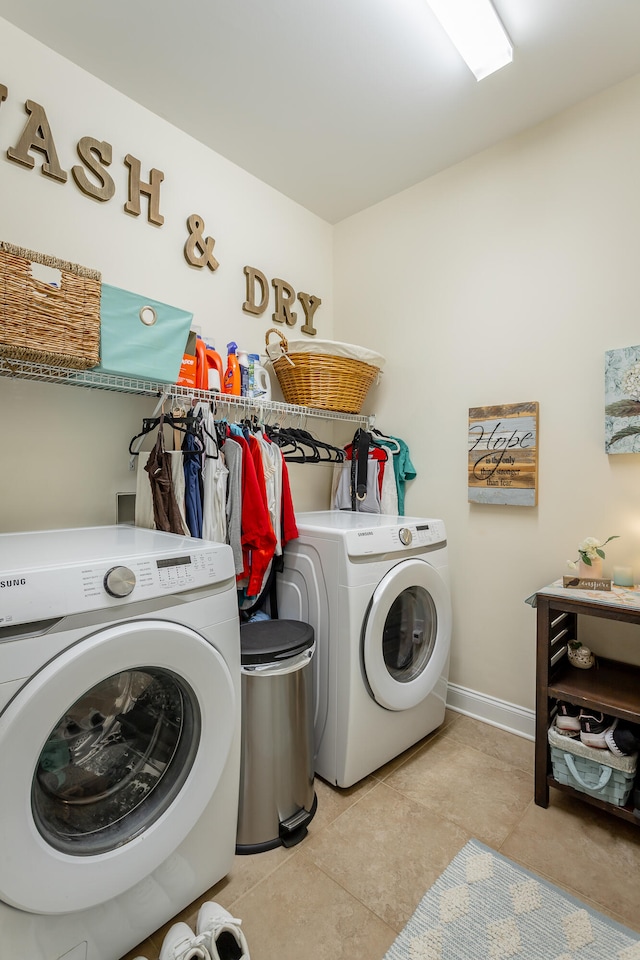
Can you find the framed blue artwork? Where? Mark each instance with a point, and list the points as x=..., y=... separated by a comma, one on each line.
x=622, y=400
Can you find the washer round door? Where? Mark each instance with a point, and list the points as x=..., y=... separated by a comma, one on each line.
x=407, y=635
x=109, y=756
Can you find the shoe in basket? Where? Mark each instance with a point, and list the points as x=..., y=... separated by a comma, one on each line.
x=568, y=718
x=594, y=727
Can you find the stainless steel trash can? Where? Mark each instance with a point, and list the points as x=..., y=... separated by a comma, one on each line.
x=277, y=796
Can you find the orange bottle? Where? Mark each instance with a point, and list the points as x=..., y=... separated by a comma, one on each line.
x=202, y=368
x=232, y=374
x=215, y=369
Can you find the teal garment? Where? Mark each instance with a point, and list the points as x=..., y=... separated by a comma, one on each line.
x=404, y=470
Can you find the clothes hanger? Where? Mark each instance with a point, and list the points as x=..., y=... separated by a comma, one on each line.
x=333, y=454
x=283, y=439
x=305, y=440
x=222, y=428
x=199, y=412
x=388, y=441
x=197, y=425
x=362, y=441
x=183, y=424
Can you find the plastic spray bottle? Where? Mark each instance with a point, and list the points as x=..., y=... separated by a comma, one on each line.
x=232, y=374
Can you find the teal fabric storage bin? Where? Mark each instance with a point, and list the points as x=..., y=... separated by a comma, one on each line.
x=595, y=772
x=140, y=337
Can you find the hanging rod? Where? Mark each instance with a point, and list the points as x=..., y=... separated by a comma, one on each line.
x=97, y=380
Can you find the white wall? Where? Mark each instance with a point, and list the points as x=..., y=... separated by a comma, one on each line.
x=64, y=449
x=505, y=279
x=501, y=280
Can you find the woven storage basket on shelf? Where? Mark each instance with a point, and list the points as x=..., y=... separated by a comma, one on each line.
x=42, y=323
x=598, y=773
x=323, y=381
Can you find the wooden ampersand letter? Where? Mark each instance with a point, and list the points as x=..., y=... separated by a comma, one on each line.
x=196, y=241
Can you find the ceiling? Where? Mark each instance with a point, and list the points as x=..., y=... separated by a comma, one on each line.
x=338, y=103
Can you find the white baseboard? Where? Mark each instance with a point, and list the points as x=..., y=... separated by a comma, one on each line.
x=499, y=713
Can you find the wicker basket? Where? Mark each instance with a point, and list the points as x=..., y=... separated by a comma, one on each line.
x=41, y=323
x=323, y=381
x=598, y=773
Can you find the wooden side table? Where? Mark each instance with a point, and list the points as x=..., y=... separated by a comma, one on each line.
x=611, y=686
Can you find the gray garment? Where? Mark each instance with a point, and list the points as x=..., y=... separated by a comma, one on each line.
x=233, y=457
x=342, y=498
x=214, y=481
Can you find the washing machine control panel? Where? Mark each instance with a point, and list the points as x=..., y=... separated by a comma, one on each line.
x=39, y=594
x=382, y=539
x=143, y=579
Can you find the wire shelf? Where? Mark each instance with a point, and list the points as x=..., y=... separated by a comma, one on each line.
x=97, y=380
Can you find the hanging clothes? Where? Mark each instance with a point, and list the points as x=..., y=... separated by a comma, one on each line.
x=284, y=525
x=403, y=469
x=166, y=512
x=389, y=503
x=258, y=538
x=193, y=492
x=215, y=474
x=233, y=457
x=358, y=482
x=144, y=516
x=272, y=469
x=394, y=469
x=369, y=502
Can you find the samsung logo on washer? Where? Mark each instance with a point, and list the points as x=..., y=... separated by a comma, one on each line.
x=365, y=533
x=19, y=582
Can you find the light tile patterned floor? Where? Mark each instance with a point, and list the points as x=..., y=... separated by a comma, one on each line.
x=373, y=850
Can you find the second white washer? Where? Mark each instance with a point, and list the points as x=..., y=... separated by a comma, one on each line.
x=375, y=588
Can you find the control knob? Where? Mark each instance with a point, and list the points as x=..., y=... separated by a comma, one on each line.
x=405, y=536
x=119, y=581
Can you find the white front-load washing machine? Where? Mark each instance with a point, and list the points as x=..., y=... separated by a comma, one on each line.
x=375, y=588
x=119, y=735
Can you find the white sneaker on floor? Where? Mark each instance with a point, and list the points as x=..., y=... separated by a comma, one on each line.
x=181, y=943
x=226, y=939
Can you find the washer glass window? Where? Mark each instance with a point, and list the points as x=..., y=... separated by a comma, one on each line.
x=409, y=634
x=115, y=761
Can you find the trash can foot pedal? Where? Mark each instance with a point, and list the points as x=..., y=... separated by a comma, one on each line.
x=293, y=830
x=289, y=838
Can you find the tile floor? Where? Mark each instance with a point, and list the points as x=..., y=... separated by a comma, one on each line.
x=373, y=850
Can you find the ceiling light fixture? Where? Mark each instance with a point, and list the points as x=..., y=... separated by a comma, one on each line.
x=477, y=33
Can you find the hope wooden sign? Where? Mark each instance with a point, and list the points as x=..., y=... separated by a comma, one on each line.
x=503, y=454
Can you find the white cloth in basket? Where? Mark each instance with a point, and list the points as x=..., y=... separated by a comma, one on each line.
x=335, y=349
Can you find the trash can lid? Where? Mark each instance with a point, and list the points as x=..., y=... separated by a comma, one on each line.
x=266, y=641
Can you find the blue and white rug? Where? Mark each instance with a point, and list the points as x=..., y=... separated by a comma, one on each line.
x=485, y=907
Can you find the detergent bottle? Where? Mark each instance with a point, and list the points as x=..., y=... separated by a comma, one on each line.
x=232, y=374
x=261, y=386
x=202, y=374
x=214, y=368
x=253, y=359
x=243, y=360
